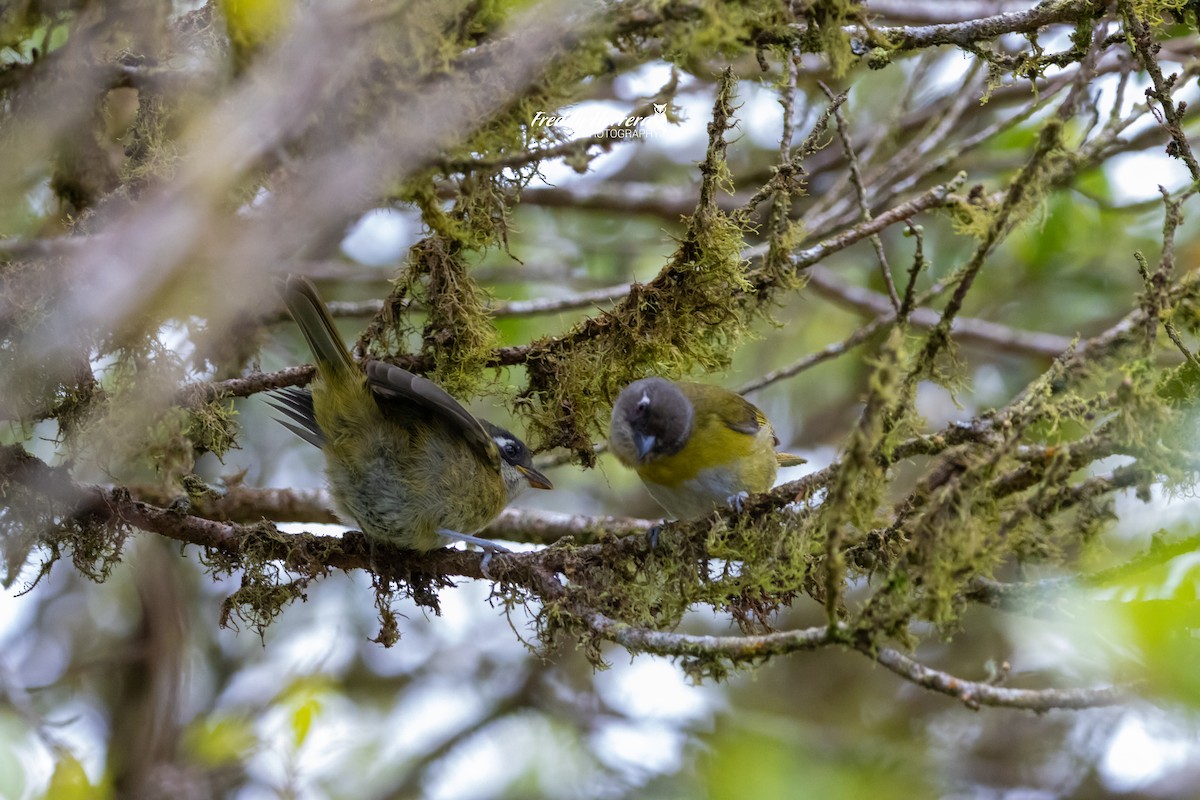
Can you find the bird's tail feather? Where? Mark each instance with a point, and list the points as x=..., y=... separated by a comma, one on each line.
x=789, y=460
x=312, y=316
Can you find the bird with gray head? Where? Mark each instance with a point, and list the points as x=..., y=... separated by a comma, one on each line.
x=694, y=445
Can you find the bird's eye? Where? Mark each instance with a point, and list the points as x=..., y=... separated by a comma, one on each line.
x=510, y=450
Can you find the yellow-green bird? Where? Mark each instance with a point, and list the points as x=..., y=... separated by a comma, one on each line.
x=694, y=445
x=404, y=459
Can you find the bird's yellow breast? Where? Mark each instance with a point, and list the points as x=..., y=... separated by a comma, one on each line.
x=750, y=458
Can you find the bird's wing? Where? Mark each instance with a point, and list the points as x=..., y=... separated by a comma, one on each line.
x=737, y=413
x=395, y=387
x=747, y=419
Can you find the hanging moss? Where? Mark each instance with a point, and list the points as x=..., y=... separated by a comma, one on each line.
x=689, y=318
x=211, y=427
x=458, y=335
x=41, y=508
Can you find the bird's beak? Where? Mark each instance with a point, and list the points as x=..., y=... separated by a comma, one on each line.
x=643, y=443
x=536, y=479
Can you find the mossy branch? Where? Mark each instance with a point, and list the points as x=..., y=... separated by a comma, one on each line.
x=1172, y=113
x=230, y=546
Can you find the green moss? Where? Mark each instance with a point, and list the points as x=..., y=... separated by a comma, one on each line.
x=41, y=509
x=1156, y=12
x=458, y=333
x=728, y=29
x=211, y=427
x=267, y=586
x=691, y=317
x=827, y=29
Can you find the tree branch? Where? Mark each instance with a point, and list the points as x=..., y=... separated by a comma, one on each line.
x=1147, y=49
x=975, y=694
x=511, y=308
x=203, y=391
x=970, y=32
x=964, y=329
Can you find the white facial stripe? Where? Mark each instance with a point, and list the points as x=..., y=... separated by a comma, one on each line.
x=645, y=401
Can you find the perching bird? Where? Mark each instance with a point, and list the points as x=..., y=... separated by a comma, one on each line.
x=694, y=445
x=404, y=459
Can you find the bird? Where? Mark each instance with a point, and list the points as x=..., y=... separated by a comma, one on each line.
x=695, y=446
x=403, y=459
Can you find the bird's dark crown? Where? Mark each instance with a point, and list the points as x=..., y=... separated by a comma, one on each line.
x=656, y=407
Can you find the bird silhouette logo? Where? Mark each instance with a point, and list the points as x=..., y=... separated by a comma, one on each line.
x=659, y=109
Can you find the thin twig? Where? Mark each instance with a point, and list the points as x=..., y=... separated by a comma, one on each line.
x=964, y=329
x=510, y=308
x=918, y=264
x=860, y=192
x=1172, y=113
x=978, y=693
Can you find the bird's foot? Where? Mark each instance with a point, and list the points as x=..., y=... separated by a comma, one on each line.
x=653, y=534
x=489, y=548
x=738, y=501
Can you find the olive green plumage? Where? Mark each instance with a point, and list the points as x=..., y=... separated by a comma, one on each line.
x=694, y=445
x=404, y=459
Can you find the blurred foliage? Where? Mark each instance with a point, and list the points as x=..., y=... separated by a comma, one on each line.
x=757, y=757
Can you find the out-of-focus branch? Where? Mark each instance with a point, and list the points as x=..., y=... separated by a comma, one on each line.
x=1048, y=591
x=666, y=202
x=524, y=694
x=964, y=329
x=172, y=227
x=508, y=356
x=830, y=351
x=975, y=693
x=510, y=308
x=972, y=31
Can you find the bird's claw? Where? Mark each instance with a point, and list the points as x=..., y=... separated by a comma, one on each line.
x=652, y=535
x=489, y=551
x=489, y=548
x=738, y=501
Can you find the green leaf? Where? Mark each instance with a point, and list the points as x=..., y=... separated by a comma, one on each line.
x=302, y=719
x=221, y=740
